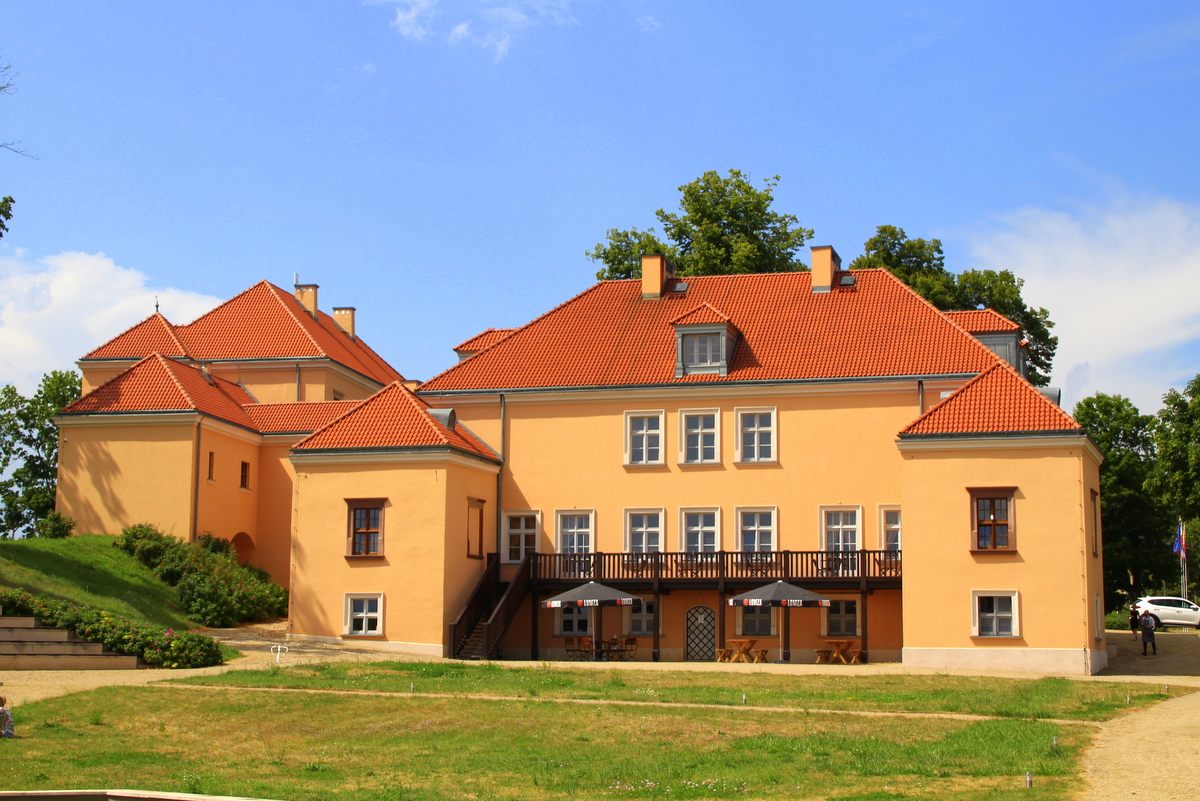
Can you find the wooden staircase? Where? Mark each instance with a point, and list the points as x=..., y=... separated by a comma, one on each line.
x=25, y=644
x=473, y=648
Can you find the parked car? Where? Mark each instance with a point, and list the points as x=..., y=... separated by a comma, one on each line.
x=1168, y=611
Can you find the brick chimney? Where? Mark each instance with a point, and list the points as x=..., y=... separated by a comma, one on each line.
x=307, y=295
x=656, y=271
x=344, y=317
x=825, y=265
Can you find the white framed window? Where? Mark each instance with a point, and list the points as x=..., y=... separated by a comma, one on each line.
x=995, y=613
x=756, y=529
x=363, y=614
x=521, y=527
x=643, y=530
x=755, y=621
x=890, y=527
x=639, y=620
x=839, y=527
x=575, y=530
x=644, y=437
x=755, y=440
x=699, y=436
x=699, y=530
x=573, y=621
x=703, y=350
x=840, y=619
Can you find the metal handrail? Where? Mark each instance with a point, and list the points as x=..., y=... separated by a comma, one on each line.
x=507, y=608
x=778, y=565
x=476, y=605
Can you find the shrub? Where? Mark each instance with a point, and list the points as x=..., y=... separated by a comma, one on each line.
x=156, y=645
x=213, y=588
x=54, y=526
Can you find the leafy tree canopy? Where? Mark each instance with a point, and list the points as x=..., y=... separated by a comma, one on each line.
x=920, y=264
x=725, y=226
x=1137, y=526
x=29, y=450
x=5, y=214
x=1176, y=477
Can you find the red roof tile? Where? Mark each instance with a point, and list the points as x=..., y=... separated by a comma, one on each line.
x=157, y=383
x=994, y=402
x=483, y=340
x=152, y=335
x=609, y=336
x=264, y=322
x=982, y=321
x=393, y=418
x=702, y=314
x=304, y=416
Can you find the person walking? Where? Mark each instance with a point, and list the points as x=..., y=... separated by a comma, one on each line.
x=1148, y=626
x=1135, y=620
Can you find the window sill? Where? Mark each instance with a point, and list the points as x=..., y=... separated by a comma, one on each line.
x=713, y=463
x=379, y=637
x=757, y=462
x=997, y=551
x=1003, y=637
x=358, y=556
x=644, y=464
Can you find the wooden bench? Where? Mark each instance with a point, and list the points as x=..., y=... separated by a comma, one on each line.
x=723, y=654
x=856, y=657
x=760, y=654
x=823, y=655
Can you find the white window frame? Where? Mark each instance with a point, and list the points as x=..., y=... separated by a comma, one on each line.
x=824, y=542
x=1016, y=613
x=537, y=533
x=884, y=508
x=347, y=614
x=716, y=355
x=857, y=618
x=627, y=619
x=740, y=629
x=717, y=534
x=684, y=414
x=661, y=414
x=559, y=514
x=774, y=510
x=662, y=528
x=591, y=619
x=738, y=457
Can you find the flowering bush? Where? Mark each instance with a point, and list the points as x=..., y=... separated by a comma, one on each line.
x=158, y=646
x=213, y=588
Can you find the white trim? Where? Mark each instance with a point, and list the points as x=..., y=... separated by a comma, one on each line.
x=591, y=621
x=366, y=644
x=1068, y=441
x=662, y=527
x=183, y=417
x=685, y=510
x=354, y=596
x=881, y=521
x=661, y=414
x=821, y=510
x=558, y=515
x=626, y=617
x=737, y=519
x=738, y=411
x=739, y=629
x=1016, y=613
x=395, y=457
x=506, y=513
x=857, y=617
x=684, y=414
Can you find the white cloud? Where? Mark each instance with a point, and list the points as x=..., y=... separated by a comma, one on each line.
x=412, y=17
x=648, y=24
x=1160, y=41
x=1120, y=282
x=59, y=308
x=491, y=24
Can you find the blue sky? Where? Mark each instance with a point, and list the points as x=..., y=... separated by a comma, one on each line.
x=442, y=165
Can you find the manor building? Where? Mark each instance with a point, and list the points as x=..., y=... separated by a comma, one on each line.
x=681, y=439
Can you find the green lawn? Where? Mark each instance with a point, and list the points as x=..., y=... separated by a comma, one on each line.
x=89, y=570
x=1044, y=698
x=296, y=747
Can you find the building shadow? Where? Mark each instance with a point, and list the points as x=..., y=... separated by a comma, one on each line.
x=1178, y=654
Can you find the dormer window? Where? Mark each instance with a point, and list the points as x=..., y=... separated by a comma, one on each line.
x=704, y=342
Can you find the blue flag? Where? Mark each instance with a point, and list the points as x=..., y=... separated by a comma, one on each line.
x=1180, y=546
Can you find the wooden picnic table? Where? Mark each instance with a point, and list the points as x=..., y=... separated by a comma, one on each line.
x=840, y=651
x=739, y=651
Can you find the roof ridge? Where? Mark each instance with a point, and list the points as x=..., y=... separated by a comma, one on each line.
x=347, y=413
x=275, y=292
x=163, y=362
x=174, y=334
x=128, y=369
x=423, y=408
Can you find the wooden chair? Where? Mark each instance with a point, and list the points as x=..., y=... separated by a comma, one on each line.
x=823, y=655
x=629, y=649
x=572, y=648
x=586, y=649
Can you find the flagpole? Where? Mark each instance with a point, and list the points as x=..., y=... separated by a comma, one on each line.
x=1183, y=558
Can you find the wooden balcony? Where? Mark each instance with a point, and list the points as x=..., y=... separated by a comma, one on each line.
x=719, y=570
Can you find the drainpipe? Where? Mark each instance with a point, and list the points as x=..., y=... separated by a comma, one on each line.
x=921, y=397
x=196, y=480
x=500, y=483
x=297, y=382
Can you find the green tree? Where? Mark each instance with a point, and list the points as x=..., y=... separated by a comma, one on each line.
x=920, y=264
x=725, y=226
x=5, y=214
x=1176, y=477
x=1138, y=527
x=29, y=450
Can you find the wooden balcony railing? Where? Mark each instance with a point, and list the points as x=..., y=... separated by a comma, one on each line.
x=767, y=565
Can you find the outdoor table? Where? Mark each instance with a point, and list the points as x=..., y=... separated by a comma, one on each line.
x=841, y=650
x=605, y=650
x=741, y=650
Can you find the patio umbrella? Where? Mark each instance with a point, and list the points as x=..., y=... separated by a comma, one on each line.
x=781, y=594
x=593, y=594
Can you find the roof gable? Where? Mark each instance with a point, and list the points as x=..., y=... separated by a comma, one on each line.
x=704, y=314
x=609, y=335
x=982, y=321
x=997, y=401
x=152, y=335
x=484, y=339
x=393, y=418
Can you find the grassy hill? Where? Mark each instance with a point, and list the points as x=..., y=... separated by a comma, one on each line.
x=89, y=570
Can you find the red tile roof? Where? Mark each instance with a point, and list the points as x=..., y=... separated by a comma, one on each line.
x=982, y=321
x=304, y=416
x=994, y=402
x=483, y=340
x=159, y=384
x=702, y=314
x=393, y=418
x=609, y=336
x=264, y=322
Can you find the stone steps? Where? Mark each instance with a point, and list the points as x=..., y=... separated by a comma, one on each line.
x=27, y=645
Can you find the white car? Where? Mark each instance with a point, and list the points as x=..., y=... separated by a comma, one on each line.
x=1168, y=611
